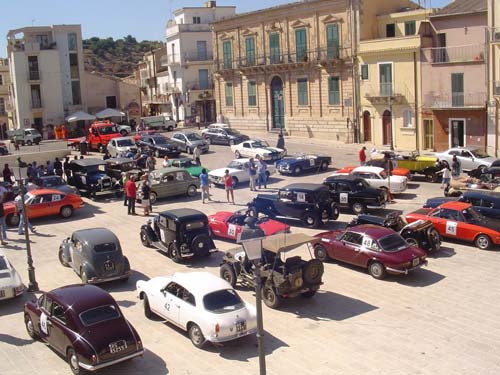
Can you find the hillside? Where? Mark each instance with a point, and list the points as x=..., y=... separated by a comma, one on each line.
x=115, y=57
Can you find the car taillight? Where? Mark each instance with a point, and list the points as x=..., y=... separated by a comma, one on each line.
x=94, y=359
x=217, y=329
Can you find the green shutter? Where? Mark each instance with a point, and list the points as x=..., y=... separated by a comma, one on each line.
x=250, y=51
x=252, y=93
x=227, y=54
x=229, y=94
x=303, y=98
x=301, y=44
x=410, y=28
x=332, y=41
x=457, y=89
x=333, y=91
x=274, y=48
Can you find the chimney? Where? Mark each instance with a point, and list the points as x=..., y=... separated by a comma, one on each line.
x=210, y=4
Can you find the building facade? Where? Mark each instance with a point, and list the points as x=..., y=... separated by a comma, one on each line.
x=152, y=74
x=493, y=77
x=5, y=103
x=46, y=67
x=454, y=84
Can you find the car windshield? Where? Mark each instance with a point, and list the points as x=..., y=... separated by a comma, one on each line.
x=193, y=137
x=124, y=142
x=392, y=243
x=3, y=264
x=260, y=144
x=104, y=247
x=53, y=181
x=223, y=301
x=235, y=164
x=108, y=129
x=480, y=154
x=95, y=168
x=471, y=214
x=188, y=163
x=232, y=131
x=160, y=140
x=99, y=314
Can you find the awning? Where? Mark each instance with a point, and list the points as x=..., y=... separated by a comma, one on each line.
x=286, y=241
x=80, y=116
x=109, y=112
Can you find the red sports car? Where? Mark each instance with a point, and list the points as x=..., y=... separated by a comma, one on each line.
x=44, y=202
x=395, y=171
x=229, y=224
x=380, y=250
x=461, y=220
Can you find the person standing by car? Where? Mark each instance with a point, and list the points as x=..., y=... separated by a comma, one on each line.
x=252, y=174
x=19, y=209
x=166, y=162
x=197, y=154
x=146, y=192
x=205, y=186
x=131, y=193
x=67, y=169
x=261, y=172
x=281, y=140
x=58, y=167
x=7, y=174
x=125, y=178
x=229, y=186
x=455, y=166
x=50, y=168
x=362, y=156
x=150, y=163
x=446, y=171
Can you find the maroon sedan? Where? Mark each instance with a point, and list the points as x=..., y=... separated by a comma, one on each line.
x=85, y=325
x=380, y=250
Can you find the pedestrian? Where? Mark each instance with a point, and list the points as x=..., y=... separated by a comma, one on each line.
x=166, y=162
x=20, y=211
x=58, y=167
x=67, y=168
x=252, y=174
x=30, y=186
x=7, y=173
x=50, y=168
x=146, y=192
x=229, y=185
x=455, y=167
x=198, y=121
x=3, y=224
x=150, y=163
x=197, y=154
x=205, y=186
x=29, y=171
x=261, y=172
x=281, y=140
x=106, y=156
x=16, y=145
x=362, y=156
x=446, y=176
x=34, y=170
x=131, y=192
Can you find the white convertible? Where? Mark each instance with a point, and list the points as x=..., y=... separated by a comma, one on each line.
x=257, y=147
x=377, y=177
x=238, y=170
x=202, y=304
x=10, y=282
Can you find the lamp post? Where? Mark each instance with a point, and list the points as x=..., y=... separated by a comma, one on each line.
x=21, y=175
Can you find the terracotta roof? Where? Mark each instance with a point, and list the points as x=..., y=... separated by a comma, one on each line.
x=462, y=7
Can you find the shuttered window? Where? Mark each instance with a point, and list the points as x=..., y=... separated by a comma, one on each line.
x=333, y=91
x=302, y=92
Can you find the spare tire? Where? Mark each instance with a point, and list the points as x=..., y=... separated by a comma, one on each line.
x=313, y=271
x=200, y=244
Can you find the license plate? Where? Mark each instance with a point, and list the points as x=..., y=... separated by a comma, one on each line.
x=416, y=261
x=117, y=347
x=241, y=326
x=109, y=266
x=2, y=293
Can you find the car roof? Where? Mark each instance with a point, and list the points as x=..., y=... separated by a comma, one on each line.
x=368, y=169
x=454, y=205
x=183, y=213
x=479, y=194
x=372, y=230
x=122, y=138
x=81, y=297
x=343, y=178
x=95, y=236
x=200, y=283
x=88, y=162
x=304, y=186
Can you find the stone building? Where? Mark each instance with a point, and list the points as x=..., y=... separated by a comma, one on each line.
x=493, y=49
x=5, y=102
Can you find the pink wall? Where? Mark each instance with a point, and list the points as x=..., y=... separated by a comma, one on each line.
x=462, y=30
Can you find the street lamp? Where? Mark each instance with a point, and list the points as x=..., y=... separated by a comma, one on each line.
x=20, y=176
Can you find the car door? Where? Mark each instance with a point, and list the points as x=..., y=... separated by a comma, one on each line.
x=76, y=254
x=466, y=160
x=246, y=150
x=232, y=228
x=187, y=308
x=452, y=224
x=349, y=247
x=56, y=203
x=39, y=206
x=343, y=190
x=45, y=311
x=167, y=186
x=171, y=301
x=56, y=325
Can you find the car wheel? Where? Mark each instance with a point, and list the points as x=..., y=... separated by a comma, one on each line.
x=201, y=243
x=358, y=208
x=157, y=153
x=335, y=212
x=72, y=359
x=153, y=197
x=61, y=259
x=66, y=211
x=237, y=154
x=84, y=277
x=235, y=181
x=12, y=220
x=191, y=191
x=196, y=335
x=482, y=168
x=311, y=220
x=29, y=143
x=147, y=309
x=324, y=166
x=297, y=170
x=432, y=177
x=308, y=294
x=483, y=242
x=270, y=297
x=101, y=148
x=30, y=327
x=321, y=253
x=123, y=133
x=412, y=241
x=252, y=212
x=174, y=253
x=377, y=270
x=145, y=239
x=434, y=238
x=312, y=271
x=227, y=273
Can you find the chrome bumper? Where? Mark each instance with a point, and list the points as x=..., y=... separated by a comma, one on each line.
x=376, y=207
x=405, y=272
x=232, y=337
x=110, y=363
x=96, y=280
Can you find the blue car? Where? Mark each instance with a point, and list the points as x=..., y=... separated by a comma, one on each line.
x=90, y=178
x=298, y=164
x=487, y=202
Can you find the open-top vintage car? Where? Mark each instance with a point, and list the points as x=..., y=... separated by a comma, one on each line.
x=181, y=234
x=95, y=255
x=192, y=166
x=428, y=166
x=282, y=276
x=420, y=233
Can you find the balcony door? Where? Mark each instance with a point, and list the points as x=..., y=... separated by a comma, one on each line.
x=428, y=134
x=203, y=79
x=457, y=132
x=367, y=126
x=332, y=41
x=386, y=127
x=201, y=49
x=301, y=44
x=277, y=103
x=457, y=89
x=385, y=79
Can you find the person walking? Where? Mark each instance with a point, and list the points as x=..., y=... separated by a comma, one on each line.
x=229, y=186
x=67, y=168
x=281, y=140
x=166, y=162
x=7, y=173
x=20, y=211
x=261, y=172
x=3, y=224
x=50, y=168
x=362, y=156
x=205, y=186
x=455, y=166
x=146, y=192
x=197, y=154
x=446, y=176
x=58, y=167
x=252, y=174
x=34, y=170
x=131, y=192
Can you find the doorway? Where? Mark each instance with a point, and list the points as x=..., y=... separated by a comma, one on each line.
x=429, y=134
x=387, y=127
x=367, y=126
x=277, y=103
x=457, y=132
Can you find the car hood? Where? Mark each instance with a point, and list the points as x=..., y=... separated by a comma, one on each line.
x=194, y=171
x=9, y=279
x=272, y=150
x=94, y=177
x=221, y=171
x=220, y=216
x=434, y=202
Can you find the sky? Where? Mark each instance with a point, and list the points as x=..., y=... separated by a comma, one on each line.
x=144, y=19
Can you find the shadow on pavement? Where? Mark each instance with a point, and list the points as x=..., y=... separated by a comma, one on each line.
x=443, y=252
x=406, y=196
x=418, y=278
x=149, y=363
x=12, y=340
x=124, y=286
x=16, y=305
x=412, y=185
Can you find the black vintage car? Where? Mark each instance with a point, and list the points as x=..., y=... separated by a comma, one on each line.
x=298, y=164
x=95, y=255
x=310, y=203
x=90, y=178
x=181, y=233
x=159, y=145
x=116, y=166
x=419, y=233
x=355, y=193
x=486, y=202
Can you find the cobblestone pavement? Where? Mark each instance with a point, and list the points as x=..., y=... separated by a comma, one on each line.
x=442, y=319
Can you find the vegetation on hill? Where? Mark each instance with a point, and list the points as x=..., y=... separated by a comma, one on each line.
x=115, y=57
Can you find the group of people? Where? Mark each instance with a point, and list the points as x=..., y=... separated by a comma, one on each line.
x=132, y=193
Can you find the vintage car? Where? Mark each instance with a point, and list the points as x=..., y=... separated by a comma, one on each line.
x=180, y=233
x=190, y=165
x=159, y=145
x=170, y=182
x=56, y=183
x=355, y=193
x=485, y=202
x=95, y=255
x=121, y=145
x=470, y=158
x=238, y=170
x=256, y=147
x=42, y=203
x=378, y=249
x=379, y=163
x=309, y=203
x=188, y=141
x=116, y=166
x=282, y=276
x=223, y=136
x=202, y=304
x=298, y=164
x=90, y=178
x=84, y=325
x=230, y=224
x=11, y=284
x=459, y=220
x=420, y=233
x=428, y=166
x=378, y=178
x=490, y=174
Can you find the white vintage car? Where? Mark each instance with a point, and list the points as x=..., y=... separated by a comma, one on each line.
x=257, y=147
x=377, y=177
x=238, y=171
x=202, y=304
x=11, y=285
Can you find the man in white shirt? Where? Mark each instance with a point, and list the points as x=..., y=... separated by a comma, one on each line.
x=19, y=208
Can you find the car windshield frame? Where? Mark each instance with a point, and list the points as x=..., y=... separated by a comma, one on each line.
x=193, y=137
x=60, y=181
x=475, y=215
x=218, y=304
x=120, y=143
x=95, y=321
x=400, y=245
x=260, y=144
x=235, y=164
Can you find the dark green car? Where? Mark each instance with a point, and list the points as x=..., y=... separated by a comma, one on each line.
x=190, y=165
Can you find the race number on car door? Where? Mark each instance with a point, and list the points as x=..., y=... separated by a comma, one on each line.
x=451, y=228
